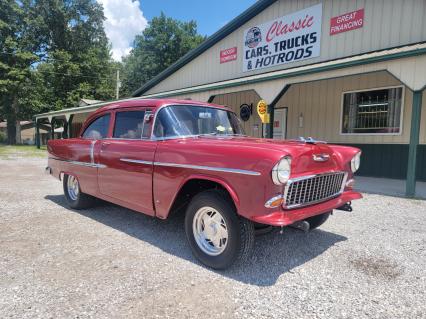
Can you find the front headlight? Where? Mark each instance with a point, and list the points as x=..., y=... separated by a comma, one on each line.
x=355, y=162
x=281, y=171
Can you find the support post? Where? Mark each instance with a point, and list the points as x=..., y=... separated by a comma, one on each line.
x=37, y=133
x=271, y=110
x=65, y=132
x=52, y=128
x=410, y=190
x=70, y=126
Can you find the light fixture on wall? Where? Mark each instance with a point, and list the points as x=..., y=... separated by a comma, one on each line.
x=301, y=120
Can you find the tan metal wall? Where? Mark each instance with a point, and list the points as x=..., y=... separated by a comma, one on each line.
x=387, y=23
x=320, y=102
x=253, y=126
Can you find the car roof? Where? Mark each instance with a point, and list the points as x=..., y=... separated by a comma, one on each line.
x=152, y=103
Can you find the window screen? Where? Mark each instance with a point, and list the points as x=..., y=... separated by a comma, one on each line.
x=98, y=128
x=372, y=112
x=129, y=124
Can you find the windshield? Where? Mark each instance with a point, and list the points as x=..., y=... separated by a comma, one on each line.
x=188, y=120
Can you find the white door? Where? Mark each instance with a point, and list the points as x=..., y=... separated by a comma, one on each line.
x=280, y=123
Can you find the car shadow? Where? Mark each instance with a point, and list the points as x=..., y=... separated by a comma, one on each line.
x=274, y=254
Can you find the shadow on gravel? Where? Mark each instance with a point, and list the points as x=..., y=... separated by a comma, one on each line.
x=273, y=255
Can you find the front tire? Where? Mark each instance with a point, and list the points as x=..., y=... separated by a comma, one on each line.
x=218, y=237
x=75, y=198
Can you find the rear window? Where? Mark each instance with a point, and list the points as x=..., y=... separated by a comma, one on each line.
x=129, y=124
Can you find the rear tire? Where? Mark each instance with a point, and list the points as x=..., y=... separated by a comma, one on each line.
x=218, y=237
x=75, y=198
x=318, y=220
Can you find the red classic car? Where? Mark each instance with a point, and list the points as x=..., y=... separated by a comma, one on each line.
x=163, y=156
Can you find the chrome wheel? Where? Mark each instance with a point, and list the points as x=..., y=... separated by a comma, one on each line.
x=72, y=188
x=210, y=231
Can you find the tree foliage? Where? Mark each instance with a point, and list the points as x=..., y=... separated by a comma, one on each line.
x=161, y=44
x=52, y=53
x=55, y=52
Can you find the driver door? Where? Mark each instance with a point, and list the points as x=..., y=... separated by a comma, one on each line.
x=128, y=156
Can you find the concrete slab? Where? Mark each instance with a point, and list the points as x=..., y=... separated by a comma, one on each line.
x=387, y=186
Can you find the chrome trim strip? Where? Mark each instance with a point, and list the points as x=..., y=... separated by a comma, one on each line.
x=92, y=152
x=209, y=168
x=298, y=179
x=129, y=160
x=86, y=164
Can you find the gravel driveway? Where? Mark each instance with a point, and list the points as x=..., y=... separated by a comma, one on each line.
x=110, y=262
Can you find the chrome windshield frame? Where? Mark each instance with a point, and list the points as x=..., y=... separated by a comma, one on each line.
x=155, y=138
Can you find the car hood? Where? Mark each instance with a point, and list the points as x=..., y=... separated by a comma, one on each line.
x=307, y=157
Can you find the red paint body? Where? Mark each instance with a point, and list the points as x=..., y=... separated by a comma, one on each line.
x=152, y=189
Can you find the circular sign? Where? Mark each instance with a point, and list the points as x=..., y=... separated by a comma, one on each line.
x=245, y=112
x=262, y=107
x=253, y=37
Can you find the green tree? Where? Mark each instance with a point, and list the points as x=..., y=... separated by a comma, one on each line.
x=19, y=41
x=161, y=44
x=76, y=61
x=52, y=53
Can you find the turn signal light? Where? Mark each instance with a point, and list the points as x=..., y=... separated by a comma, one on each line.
x=274, y=202
x=350, y=183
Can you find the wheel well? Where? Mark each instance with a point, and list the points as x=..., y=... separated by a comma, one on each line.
x=192, y=188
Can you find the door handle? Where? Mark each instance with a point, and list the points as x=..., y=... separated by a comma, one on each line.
x=106, y=143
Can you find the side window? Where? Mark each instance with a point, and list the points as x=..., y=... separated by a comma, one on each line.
x=98, y=128
x=129, y=124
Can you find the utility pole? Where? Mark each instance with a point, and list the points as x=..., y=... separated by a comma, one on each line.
x=117, y=85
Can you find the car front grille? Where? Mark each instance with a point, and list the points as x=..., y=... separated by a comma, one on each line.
x=309, y=190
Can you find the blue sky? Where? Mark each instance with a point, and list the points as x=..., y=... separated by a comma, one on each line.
x=210, y=15
x=127, y=18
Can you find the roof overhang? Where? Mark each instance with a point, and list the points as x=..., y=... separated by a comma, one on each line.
x=362, y=59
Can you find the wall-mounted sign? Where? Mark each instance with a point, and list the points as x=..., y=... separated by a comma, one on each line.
x=262, y=111
x=246, y=111
x=228, y=55
x=294, y=37
x=347, y=22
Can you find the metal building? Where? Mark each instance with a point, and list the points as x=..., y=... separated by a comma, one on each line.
x=343, y=71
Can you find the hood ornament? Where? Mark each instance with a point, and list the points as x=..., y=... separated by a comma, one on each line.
x=310, y=140
x=321, y=157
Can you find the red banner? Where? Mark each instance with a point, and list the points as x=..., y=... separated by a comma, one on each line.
x=347, y=22
x=228, y=55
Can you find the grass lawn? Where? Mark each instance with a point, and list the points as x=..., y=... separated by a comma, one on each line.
x=14, y=151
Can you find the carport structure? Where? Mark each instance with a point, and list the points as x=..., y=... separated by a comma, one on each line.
x=307, y=98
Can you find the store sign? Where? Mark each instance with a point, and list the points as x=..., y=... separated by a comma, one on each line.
x=294, y=37
x=262, y=111
x=347, y=22
x=228, y=55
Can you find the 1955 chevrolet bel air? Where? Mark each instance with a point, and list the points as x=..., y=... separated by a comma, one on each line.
x=165, y=156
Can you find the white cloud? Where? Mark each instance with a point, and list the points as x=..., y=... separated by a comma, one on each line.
x=124, y=19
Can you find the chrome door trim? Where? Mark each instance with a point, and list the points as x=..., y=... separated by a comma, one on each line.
x=86, y=164
x=209, y=168
x=129, y=160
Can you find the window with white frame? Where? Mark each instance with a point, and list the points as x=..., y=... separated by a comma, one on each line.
x=376, y=111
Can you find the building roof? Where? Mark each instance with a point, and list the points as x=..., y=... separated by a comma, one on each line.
x=230, y=27
x=84, y=102
x=4, y=123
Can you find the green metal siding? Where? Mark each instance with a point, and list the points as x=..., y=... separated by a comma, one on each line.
x=390, y=160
